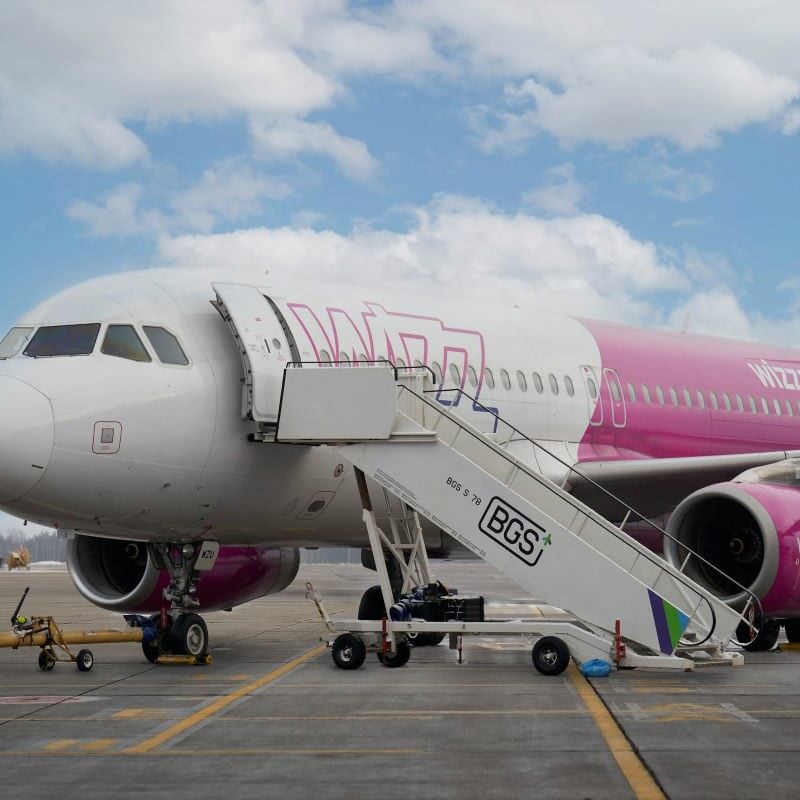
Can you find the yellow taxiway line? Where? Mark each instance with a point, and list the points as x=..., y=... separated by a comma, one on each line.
x=641, y=781
x=201, y=715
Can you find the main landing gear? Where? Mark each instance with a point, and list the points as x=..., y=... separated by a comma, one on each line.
x=760, y=637
x=179, y=631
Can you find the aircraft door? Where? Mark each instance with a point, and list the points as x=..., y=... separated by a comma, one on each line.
x=263, y=346
x=593, y=395
x=619, y=412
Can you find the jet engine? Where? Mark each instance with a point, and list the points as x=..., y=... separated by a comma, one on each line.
x=120, y=576
x=750, y=530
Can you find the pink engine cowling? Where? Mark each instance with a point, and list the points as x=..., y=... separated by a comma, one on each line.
x=751, y=531
x=120, y=576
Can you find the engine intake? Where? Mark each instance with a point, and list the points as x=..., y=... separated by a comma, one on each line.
x=748, y=531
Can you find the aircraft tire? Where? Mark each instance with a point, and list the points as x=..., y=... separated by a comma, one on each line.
x=371, y=605
x=348, y=651
x=550, y=655
x=190, y=635
x=792, y=628
x=765, y=639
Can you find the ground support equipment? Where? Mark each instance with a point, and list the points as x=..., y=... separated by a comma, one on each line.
x=630, y=607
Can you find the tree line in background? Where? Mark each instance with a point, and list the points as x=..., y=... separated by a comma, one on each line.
x=43, y=546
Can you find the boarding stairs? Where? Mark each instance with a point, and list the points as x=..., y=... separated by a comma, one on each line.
x=391, y=426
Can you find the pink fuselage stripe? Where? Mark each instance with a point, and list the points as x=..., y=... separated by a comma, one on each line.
x=685, y=361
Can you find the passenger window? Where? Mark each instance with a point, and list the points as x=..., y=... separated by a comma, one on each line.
x=488, y=377
x=418, y=363
x=659, y=395
x=553, y=381
x=701, y=400
x=687, y=398
x=632, y=392
x=166, y=345
x=13, y=341
x=789, y=409
x=727, y=401
x=673, y=396
x=437, y=372
x=522, y=381
x=777, y=406
x=764, y=406
x=122, y=341
x=739, y=403
x=569, y=386
x=538, y=385
x=324, y=358
x=712, y=396
x=344, y=358
x=401, y=364
x=363, y=358
x=472, y=376
x=645, y=393
x=505, y=379
x=455, y=375
x=63, y=340
x=751, y=401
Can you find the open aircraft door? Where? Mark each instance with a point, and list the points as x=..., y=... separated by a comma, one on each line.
x=262, y=343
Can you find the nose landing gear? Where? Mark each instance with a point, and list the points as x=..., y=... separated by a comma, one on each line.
x=181, y=631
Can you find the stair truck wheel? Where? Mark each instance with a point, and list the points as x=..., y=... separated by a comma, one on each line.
x=84, y=661
x=792, y=628
x=550, y=655
x=371, y=605
x=765, y=639
x=398, y=659
x=348, y=651
x=190, y=635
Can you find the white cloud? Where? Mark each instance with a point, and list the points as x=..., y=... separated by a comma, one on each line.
x=229, y=191
x=287, y=138
x=560, y=193
x=581, y=264
x=584, y=265
x=616, y=95
x=117, y=214
x=77, y=79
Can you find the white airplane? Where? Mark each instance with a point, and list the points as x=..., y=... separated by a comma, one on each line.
x=132, y=409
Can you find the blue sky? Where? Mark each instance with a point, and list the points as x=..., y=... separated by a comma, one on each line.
x=635, y=161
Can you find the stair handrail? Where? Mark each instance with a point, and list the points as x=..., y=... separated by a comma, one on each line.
x=753, y=600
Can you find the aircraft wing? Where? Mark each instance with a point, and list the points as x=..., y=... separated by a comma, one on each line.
x=655, y=486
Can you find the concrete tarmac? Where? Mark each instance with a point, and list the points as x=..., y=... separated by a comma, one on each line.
x=272, y=717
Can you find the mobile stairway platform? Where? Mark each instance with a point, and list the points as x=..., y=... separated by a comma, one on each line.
x=628, y=606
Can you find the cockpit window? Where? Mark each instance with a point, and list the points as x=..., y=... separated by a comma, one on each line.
x=167, y=347
x=13, y=341
x=63, y=340
x=122, y=341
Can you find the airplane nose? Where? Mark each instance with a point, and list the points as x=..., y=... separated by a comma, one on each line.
x=26, y=437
